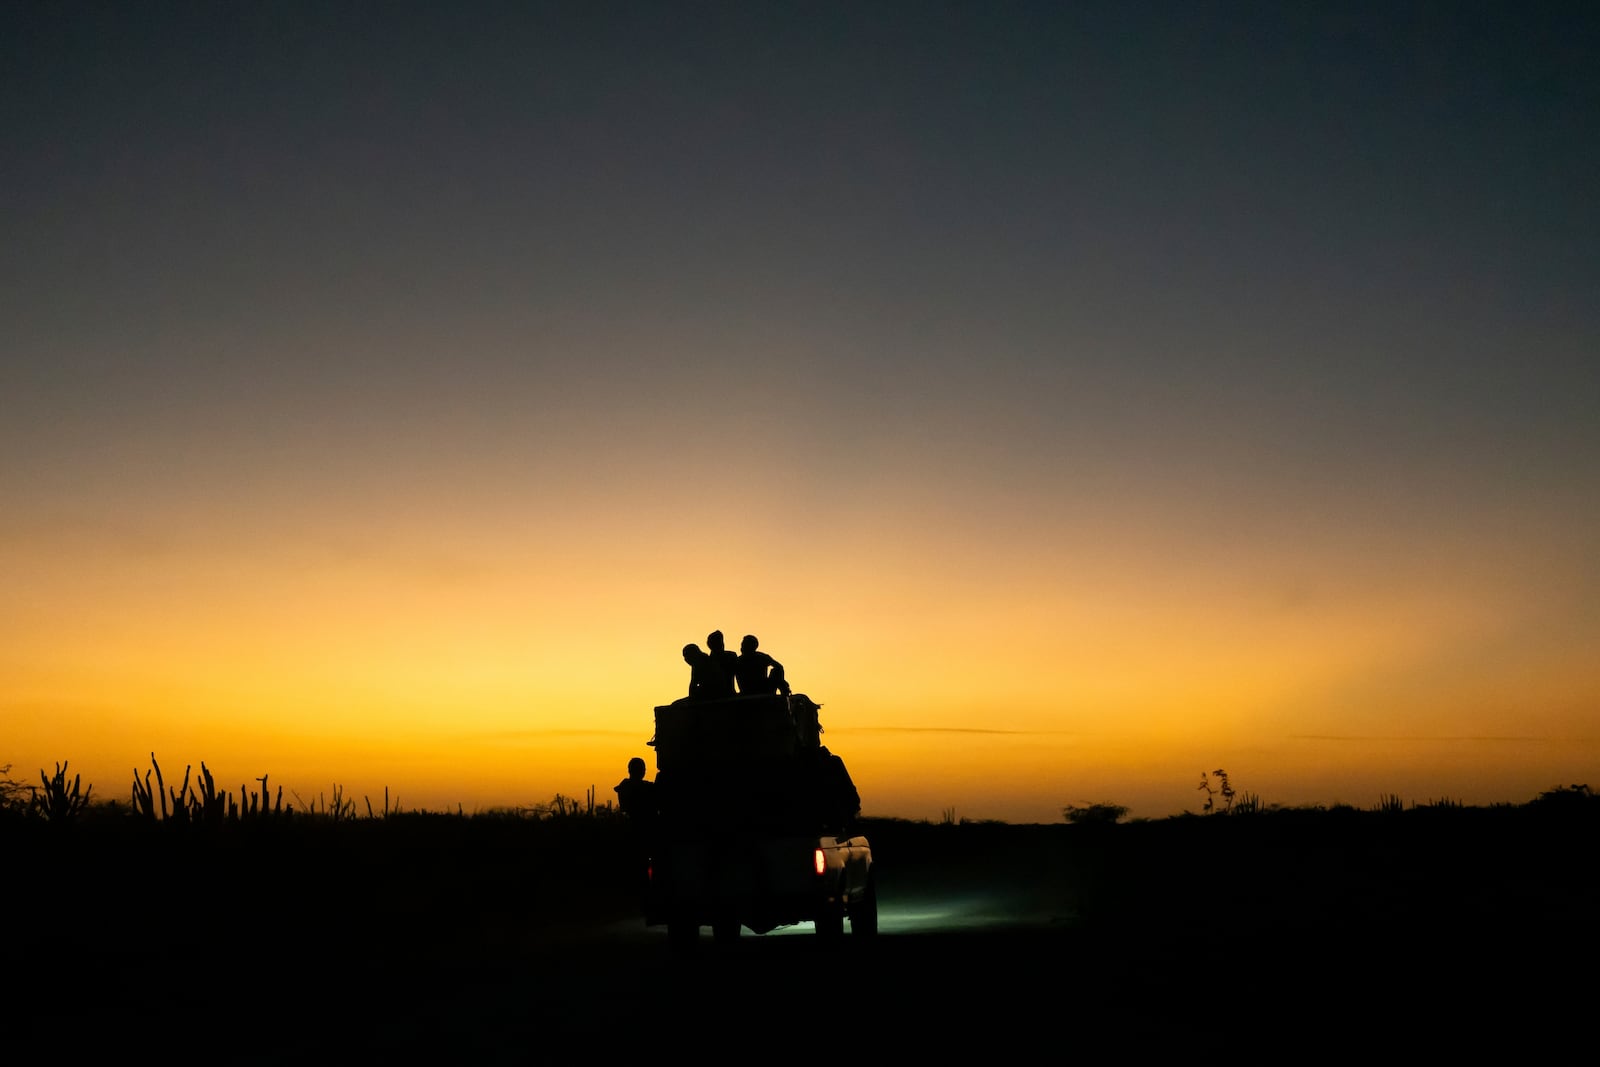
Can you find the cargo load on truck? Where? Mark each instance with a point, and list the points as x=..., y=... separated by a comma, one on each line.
x=754, y=761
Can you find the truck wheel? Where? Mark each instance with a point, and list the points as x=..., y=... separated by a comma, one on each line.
x=864, y=913
x=682, y=936
x=726, y=932
x=830, y=924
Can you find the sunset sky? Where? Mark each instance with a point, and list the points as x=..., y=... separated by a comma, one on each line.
x=1073, y=396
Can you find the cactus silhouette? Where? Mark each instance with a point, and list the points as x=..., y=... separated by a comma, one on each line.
x=59, y=801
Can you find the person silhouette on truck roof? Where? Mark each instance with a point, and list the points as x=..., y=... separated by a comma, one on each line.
x=727, y=662
x=705, y=674
x=758, y=672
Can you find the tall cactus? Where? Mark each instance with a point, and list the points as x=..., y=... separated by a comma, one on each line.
x=144, y=803
x=180, y=798
x=60, y=802
x=161, y=786
x=210, y=806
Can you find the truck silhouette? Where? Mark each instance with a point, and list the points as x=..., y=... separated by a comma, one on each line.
x=757, y=824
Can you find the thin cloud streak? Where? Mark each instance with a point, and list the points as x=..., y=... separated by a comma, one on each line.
x=528, y=735
x=1436, y=740
x=952, y=730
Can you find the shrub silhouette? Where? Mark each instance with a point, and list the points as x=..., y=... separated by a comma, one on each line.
x=13, y=794
x=1567, y=798
x=1101, y=814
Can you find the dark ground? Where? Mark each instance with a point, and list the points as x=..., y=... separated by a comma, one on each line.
x=1439, y=932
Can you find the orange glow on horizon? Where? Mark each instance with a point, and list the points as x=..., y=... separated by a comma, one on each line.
x=495, y=653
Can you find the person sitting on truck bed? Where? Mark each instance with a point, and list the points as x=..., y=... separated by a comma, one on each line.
x=706, y=681
x=727, y=662
x=838, y=803
x=844, y=799
x=758, y=672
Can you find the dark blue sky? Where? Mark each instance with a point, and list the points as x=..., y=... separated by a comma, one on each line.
x=1295, y=198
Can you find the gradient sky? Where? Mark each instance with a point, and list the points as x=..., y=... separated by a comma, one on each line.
x=1074, y=397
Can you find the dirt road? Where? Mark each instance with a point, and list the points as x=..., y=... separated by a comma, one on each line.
x=1198, y=941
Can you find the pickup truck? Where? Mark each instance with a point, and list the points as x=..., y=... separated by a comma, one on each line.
x=757, y=824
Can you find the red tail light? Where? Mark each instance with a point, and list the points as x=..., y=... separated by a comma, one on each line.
x=819, y=861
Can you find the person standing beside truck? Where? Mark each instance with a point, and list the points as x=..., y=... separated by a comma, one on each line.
x=636, y=799
x=636, y=795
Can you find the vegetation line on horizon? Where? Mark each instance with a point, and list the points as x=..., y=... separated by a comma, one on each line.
x=60, y=801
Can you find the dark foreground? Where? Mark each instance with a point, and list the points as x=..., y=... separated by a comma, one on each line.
x=1443, y=932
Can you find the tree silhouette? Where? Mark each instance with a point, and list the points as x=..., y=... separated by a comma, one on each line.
x=1220, y=789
